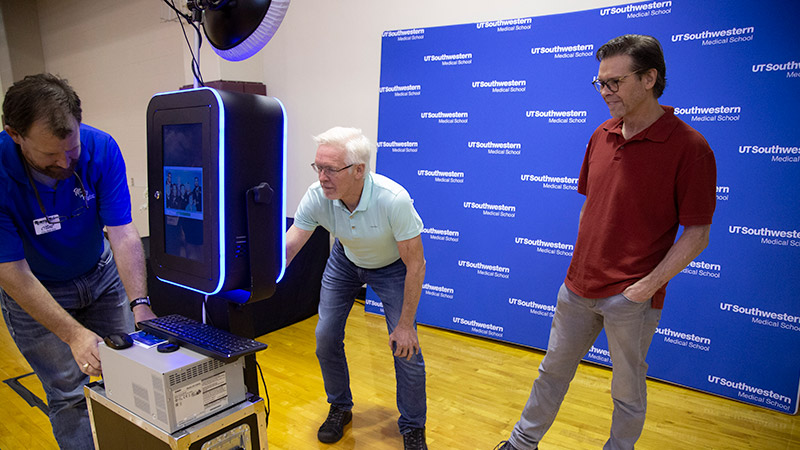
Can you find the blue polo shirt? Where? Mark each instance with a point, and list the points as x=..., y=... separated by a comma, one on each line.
x=64, y=251
x=384, y=215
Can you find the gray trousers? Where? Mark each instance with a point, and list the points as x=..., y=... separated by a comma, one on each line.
x=577, y=322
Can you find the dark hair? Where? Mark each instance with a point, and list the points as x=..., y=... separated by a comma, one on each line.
x=43, y=96
x=646, y=53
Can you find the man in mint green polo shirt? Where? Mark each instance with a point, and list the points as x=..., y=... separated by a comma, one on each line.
x=378, y=242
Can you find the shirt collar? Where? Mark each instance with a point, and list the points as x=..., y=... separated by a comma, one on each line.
x=658, y=131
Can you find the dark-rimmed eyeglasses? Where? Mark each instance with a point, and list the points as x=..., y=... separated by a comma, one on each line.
x=329, y=171
x=612, y=84
x=55, y=219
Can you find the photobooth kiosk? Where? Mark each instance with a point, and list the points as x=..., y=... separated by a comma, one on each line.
x=217, y=211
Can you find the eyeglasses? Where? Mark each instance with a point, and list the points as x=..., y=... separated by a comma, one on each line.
x=612, y=84
x=52, y=220
x=329, y=171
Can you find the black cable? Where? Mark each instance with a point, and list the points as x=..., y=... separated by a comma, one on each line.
x=258, y=366
x=266, y=392
x=195, y=60
x=208, y=318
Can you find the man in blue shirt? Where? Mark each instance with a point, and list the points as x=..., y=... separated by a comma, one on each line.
x=378, y=242
x=61, y=184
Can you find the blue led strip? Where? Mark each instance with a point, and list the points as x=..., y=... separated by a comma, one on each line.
x=221, y=156
x=283, y=193
x=221, y=194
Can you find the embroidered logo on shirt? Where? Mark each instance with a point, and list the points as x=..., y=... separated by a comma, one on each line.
x=79, y=193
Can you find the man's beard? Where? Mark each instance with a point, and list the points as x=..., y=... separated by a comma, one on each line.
x=57, y=172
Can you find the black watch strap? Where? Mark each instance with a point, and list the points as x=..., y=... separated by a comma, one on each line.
x=140, y=301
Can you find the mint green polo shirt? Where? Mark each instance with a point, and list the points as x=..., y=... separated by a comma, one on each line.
x=384, y=216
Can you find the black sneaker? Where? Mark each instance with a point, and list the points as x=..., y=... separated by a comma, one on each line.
x=414, y=439
x=505, y=445
x=333, y=428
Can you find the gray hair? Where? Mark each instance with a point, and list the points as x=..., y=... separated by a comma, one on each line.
x=356, y=146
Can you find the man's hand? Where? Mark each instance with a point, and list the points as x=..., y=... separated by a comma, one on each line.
x=142, y=312
x=692, y=241
x=84, y=349
x=403, y=341
x=638, y=293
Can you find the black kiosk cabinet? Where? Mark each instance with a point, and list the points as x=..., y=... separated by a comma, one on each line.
x=216, y=171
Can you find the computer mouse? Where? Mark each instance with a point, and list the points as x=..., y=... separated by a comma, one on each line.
x=167, y=347
x=118, y=341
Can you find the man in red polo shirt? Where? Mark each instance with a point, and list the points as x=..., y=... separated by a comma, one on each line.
x=645, y=173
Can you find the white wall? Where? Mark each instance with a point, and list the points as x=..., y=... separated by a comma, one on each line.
x=116, y=54
x=323, y=63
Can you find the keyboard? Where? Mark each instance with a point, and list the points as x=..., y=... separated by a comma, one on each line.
x=200, y=337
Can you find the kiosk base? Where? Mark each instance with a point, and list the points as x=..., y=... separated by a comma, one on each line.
x=242, y=426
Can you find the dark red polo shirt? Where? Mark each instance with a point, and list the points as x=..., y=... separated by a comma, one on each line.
x=637, y=193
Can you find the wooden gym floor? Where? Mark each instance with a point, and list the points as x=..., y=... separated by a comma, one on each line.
x=476, y=391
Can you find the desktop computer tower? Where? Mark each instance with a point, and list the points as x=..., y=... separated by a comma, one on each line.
x=170, y=390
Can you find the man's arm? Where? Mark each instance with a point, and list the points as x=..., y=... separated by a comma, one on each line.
x=692, y=241
x=129, y=257
x=19, y=282
x=296, y=238
x=404, y=334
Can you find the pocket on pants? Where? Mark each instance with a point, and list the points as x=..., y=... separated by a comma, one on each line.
x=623, y=305
x=631, y=301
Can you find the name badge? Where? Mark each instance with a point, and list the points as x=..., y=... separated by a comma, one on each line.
x=42, y=226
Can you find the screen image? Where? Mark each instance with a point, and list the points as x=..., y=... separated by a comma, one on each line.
x=183, y=190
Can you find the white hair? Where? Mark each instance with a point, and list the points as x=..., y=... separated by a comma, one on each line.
x=356, y=146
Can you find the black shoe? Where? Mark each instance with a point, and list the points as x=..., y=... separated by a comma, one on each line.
x=505, y=445
x=333, y=428
x=414, y=439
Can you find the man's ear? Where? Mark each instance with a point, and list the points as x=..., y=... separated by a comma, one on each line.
x=360, y=170
x=13, y=133
x=650, y=76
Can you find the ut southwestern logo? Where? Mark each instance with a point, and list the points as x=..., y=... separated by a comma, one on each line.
x=753, y=393
x=713, y=37
x=520, y=24
x=770, y=67
x=636, y=10
x=405, y=35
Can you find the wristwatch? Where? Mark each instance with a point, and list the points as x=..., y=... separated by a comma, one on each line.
x=140, y=301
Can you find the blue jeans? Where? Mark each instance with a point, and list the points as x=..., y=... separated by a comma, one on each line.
x=577, y=322
x=98, y=301
x=341, y=281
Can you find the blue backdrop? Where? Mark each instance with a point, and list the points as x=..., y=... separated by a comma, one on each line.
x=486, y=125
